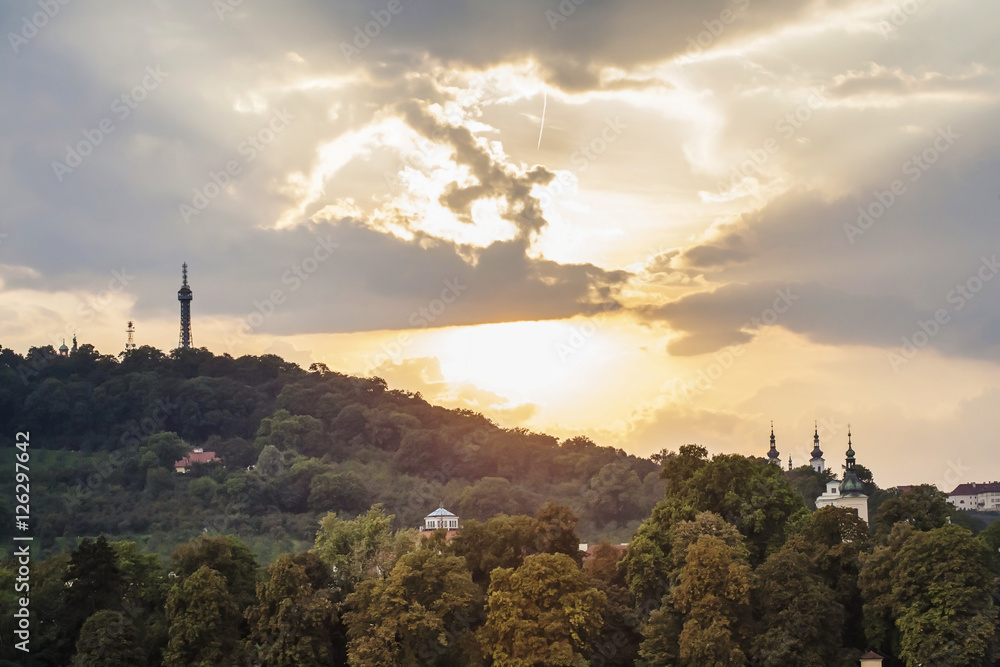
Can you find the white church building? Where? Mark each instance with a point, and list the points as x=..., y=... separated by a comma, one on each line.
x=848, y=492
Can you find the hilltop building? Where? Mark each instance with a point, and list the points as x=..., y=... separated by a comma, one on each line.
x=974, y=496
x=440, y=519
x=848, y=492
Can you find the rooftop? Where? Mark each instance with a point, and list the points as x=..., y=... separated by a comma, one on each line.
x=441, y=512
x=975, y=488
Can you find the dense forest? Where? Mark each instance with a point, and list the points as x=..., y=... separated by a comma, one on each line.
x=299, y=547
x=293, y=445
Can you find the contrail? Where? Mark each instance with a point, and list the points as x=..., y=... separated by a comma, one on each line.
x=541, y=129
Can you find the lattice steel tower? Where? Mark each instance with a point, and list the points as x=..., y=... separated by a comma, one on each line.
x=184, y=296
x=130, y=343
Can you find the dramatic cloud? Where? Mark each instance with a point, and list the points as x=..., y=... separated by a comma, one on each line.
x=755, y=186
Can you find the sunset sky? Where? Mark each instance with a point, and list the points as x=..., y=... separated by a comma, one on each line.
x=653, y=223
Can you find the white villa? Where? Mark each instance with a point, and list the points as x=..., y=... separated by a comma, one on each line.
x=440, y=519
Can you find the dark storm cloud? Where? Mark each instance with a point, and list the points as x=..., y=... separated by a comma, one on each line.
x=572, y=40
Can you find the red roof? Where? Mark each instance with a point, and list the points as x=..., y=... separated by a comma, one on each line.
x=872, y=655
x=975, y=489
x=591, y=548
x=196, y=457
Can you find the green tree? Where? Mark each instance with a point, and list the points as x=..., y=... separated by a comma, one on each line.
x=750, y=494
x=338, y=491
x=809, y=482
x=489, y=497
x=923, y=507
x=835, y=539
x=361, y=548
x=145, y=595
x=226, y=555
x=204, y=622
x=555, y=532
x=712, y=597
x=545, y=612
x=301, y=433
x=502, y=541
x=943, y=586
x=163, y=450
x=108, y=639
x=991, y=538
x=294, y=622
x=93, y=582
x=421, y=614
x=612, y=493
x=799, y=619
x=619, y=639
x=929, y=597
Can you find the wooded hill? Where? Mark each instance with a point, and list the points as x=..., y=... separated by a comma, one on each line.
x=293, y=444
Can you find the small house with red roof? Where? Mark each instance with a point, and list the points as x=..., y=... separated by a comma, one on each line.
x=197, y=456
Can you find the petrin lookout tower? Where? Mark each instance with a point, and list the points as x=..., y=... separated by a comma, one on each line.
x=184, y=296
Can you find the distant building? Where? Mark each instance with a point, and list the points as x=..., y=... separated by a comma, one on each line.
x=973, y=496
x=817, y=462
x=440, y=519
x=589, y=549
x=63, y=350
x=773, y=456
x=197, y=456
x=871, y=659
x=850, y=491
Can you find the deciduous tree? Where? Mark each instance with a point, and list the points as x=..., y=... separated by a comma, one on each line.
x=545, y=612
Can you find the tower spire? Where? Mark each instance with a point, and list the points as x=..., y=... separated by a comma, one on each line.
x=817, y=462
x=851, y=486
x=184, y=296
x=773, y=455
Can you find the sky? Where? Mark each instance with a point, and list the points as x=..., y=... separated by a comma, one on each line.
x=650, y=223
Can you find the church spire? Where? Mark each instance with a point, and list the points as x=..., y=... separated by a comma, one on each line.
x=817, y=462
x=852, y=486
x=773, y=455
